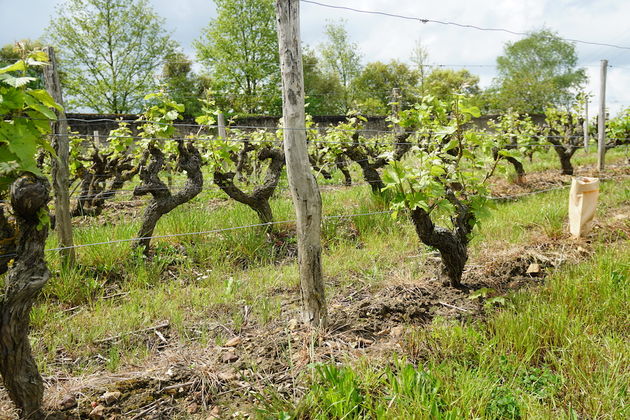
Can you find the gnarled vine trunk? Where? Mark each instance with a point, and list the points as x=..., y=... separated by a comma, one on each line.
x=7, y=241
x=565, y=153
x=258, y=199
x=566, y=143
x=452, y=244
x=370, y=165
x=25, y=279
x=94, y=190
x=163, y=201
x=342, y=165
x=516, y=164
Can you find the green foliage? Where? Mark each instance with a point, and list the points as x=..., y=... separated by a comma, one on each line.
x=25, y=119
x=397, y=391
x=109, y=52
x=449, y=162
x=503, y=405
x=515, y=136
x=340, y=57
x=537, y=71
x=323, y=90
x=563, y=126
x=618, y=128
x=10, y=53
x=445, y=83
x=240, y=49
x=182, y=84
x=372, y=88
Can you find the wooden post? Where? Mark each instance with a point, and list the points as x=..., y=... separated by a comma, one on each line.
x=395, y=102
x=586, y=124
x=304, y=190
x=601, y=121
x=221, y=125
x=97, y=139
x=60, y=171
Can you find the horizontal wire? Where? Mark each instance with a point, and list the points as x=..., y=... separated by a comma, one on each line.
x=461, y=25
x=384, y=143
x=174, y=235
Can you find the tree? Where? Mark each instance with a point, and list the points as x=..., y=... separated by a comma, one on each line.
x=373, y=87
x=537, y=71
x=444, y=83
x=324, y=92
x=182, y=85
x=110, y=51
x=340, y=56
x=240, y=49
x=420, y=58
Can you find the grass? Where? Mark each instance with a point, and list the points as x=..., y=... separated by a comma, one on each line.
x=550, y=356
x=560, y=352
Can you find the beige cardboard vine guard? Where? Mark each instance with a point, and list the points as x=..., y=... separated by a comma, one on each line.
x=582, y=204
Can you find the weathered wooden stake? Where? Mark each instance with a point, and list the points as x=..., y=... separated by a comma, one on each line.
x=304, y=190
x=396, y=97
x=221, y=125
x=586, y=124
x=601, y=121
x=60, y=171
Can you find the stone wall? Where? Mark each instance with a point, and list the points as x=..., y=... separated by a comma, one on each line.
x=87, y=124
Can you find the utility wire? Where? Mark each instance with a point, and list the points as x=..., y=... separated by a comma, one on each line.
x=461, y=25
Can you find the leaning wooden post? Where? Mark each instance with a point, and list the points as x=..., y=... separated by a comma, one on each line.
x=60, y=171
x=601, y=121
x=304, y=190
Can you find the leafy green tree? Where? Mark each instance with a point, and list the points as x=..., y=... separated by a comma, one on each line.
x=420, y=59
x=373, y=87
x=110, y=51
x=537, y=71
x=240, y=49
x=182, y=84
x=324, y=92
x=341, y=57
x=445, y=83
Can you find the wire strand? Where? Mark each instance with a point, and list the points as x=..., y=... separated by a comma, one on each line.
x=460, y=25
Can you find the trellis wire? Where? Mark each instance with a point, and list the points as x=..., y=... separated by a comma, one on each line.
x=233, y=228
x=461, y=25
x=241, y=140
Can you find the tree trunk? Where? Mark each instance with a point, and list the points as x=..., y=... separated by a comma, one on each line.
x=370, y=169
x=342, y=165
x=452, y=245
x=518, y=168
x=565, y=156
x=163, y=201
x=26, y=278
x=258, y=199
x=7, y=241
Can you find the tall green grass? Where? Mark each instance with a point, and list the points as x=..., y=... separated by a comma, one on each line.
x=559, y=352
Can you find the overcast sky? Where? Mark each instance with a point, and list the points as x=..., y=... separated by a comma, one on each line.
x=386, y=38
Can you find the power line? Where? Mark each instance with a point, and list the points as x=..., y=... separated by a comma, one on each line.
x=461, y=25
